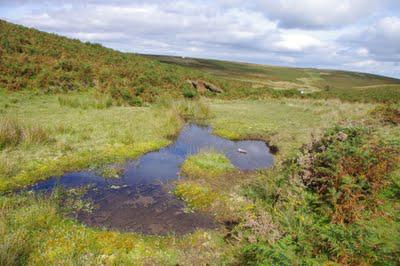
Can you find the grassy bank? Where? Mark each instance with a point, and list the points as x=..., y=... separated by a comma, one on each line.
x=42, y=136
x=286, y=123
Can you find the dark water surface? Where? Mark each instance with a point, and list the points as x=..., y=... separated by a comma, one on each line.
x=139, y=201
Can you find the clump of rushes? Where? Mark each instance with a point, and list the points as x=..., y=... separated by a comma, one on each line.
x=12, y=133
x=91, y=101
x=197, y=111
x=114, y=171
x=206, y=164
x=35, y=134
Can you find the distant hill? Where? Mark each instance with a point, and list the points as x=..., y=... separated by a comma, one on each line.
x=321, y=83
x=48, y=63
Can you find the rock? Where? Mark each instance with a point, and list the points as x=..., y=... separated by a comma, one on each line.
x=213, y=88
x=203, y=86
x=242, y=150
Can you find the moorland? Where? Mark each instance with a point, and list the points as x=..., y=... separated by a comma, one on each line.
x=331, y=197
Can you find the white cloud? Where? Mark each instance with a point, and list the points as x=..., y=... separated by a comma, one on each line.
x=297, y=42
x=381, y=39
x=318, y=13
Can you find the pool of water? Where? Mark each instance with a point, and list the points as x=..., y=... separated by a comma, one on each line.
x=139, y=200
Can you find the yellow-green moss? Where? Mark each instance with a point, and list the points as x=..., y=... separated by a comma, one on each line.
x=206, y=164
x=196, y=196
x=32, y=232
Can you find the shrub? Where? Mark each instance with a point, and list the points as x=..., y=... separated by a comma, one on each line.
x=188, y=91
x=389, y=113
x=346, y=171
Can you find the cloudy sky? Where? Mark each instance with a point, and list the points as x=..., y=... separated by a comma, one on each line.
x=361, y=35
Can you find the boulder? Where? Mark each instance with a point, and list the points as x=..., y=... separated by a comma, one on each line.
x=203, y=86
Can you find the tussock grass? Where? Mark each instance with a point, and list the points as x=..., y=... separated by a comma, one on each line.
x=10, y=132
x=90, y=101
x=13, y=132
x=189, y=110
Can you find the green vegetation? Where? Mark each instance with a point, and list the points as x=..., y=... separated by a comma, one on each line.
x=49, y=139
x=331, y=198
x=47, y=63
x=206, y=164
x=188, y=91
x=287, y=123
x=335, y=203
x=12, y=133
x=260, y=81
x=33, y=231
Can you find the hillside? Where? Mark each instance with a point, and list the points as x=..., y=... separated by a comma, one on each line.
x=318, y=83
x=38, y=61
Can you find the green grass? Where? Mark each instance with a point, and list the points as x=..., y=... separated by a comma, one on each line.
x=264, y=206
x=80, y=137
x=206, y=164
x=286, y=124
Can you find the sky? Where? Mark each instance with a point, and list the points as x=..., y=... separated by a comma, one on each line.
x=358, y=35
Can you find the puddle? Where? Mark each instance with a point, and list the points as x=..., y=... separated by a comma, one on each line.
x=139, y=201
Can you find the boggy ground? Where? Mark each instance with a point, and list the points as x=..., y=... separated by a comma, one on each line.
x=262, y=211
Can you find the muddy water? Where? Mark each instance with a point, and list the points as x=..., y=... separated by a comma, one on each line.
x=139, y=200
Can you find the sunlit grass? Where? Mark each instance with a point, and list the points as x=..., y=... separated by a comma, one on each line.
x=206, y=164
x=286, y=123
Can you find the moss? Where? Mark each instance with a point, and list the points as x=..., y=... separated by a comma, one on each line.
x=206, y=164
x=196, y=196
x=114, y=171
x=33, y=232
